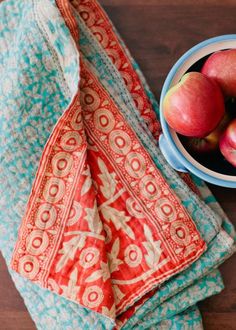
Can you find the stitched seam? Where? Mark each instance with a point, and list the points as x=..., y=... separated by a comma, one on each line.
x=55, y=58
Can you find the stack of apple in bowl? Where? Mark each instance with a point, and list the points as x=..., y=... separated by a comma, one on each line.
x=201, y=108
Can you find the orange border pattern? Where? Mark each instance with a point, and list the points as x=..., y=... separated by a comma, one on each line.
x=98, y=23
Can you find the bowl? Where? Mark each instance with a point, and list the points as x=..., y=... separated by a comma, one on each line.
x=217, y=171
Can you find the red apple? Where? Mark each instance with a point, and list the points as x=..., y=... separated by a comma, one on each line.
x=221, y=66
x=194, y=106
x=228, y=143
x=206, y=144
x=210, y=142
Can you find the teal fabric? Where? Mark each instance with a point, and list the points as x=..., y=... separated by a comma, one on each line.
x=207, y=286
x=39, y=68
x=38, y=96
x=187, y=320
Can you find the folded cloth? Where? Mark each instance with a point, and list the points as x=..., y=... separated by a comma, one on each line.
x=108, y=223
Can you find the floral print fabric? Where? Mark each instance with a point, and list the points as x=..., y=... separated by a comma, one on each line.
x=38, y=233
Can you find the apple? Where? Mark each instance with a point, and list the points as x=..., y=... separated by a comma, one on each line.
x=194, y=106
x=209, y=143
x=221, y=66
x=206, y=144
x=228, y=143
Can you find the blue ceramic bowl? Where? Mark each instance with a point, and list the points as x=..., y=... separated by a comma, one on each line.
x=172, y=148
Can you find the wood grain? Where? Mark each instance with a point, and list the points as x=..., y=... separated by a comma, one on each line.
x=157, y=32
x=157, y=3
x=13, y=314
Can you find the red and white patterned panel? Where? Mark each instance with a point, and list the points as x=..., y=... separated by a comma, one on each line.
x=102, y=226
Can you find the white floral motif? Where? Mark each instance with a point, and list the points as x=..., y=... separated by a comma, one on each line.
x=52, y=284
x=108, y=180
x=69, y=250
x=108, y=188
x=87, y=183
x=71, y=290
x=114, y=261
x=93, y=219
x=119, y=219
x=108, y=232
x=153, y=248
x=109, y=312
x=118, y=294
x=104, y=272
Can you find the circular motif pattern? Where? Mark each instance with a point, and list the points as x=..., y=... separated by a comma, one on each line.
x=133, y=208
x=104, y=120
x=37, y=242
x=138, y=100
x=62, y=163
x=180, y=233
x=135, y=165
x=101, y=35
x=127, y=79
x=164, y=210
x=28, y=266
x=87, y=15
x=114, y=56
x=149, y=124
x=54, y=190
x=93, y=296
x=71, y=140
x=147, y=120
x=120, y=142
x=89, y=257
x=76, y=121
x=46, y=216
x=133, y=255
x=75, y=213
x=90, y=99
x=149, y=187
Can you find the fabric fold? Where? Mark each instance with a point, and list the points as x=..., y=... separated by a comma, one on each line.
x=108, y=223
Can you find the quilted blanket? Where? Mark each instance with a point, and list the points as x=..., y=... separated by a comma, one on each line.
x=97, y=230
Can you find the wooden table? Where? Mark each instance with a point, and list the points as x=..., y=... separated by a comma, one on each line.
x=157, y=32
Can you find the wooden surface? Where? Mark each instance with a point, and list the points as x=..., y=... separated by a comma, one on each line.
x=157, y=32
